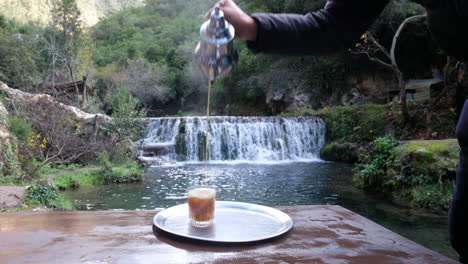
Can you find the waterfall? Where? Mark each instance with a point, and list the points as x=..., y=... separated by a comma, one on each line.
x=240, y=139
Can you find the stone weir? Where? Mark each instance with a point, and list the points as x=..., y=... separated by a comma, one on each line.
x=233, y=139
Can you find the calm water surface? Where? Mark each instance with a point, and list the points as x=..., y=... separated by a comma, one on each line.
x=271, y=185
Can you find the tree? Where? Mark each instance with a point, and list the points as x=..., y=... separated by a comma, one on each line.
x=18, y=66
x=63, y=39
x=377, y=53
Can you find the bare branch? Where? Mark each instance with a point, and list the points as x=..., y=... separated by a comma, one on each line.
x=397, y=35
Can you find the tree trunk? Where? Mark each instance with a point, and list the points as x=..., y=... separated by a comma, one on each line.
x=402, y=88
x=70, y=71
x=84, y=91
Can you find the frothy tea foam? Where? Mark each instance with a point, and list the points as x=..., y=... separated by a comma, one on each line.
x=202, y=193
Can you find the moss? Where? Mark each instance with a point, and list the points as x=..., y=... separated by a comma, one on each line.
x=346, y=152
x=434, y=159
x=420, y=173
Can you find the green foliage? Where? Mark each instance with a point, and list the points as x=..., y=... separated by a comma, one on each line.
x=10, y=167
x=355, y=123
x=75, y=179
x=302, y=112
x=437, y=195
x=346, y=152
x=421, y=173
x=125, y=173
x=125, y=113
x=20, y=127
x=47, y=195
x=118, y=173
x=18, y=61
x=103, y=172
x=371, y=170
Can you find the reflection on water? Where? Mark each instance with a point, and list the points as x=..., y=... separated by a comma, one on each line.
x=271, y=185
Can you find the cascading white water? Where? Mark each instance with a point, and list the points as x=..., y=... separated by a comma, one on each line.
x=252, y=139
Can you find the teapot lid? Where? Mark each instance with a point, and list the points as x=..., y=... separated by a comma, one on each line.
x=217, y=30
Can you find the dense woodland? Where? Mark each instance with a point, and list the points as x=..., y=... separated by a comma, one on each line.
x=146, y=52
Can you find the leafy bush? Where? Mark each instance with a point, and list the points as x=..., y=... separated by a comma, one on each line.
x=83, y=177
x=125, y=113
x=47, y=195
x=20, y=127
x=371, y=170
x=346, y=152
x=419, y=172
x=355, y=123
x=126, y=173
x=18, y=66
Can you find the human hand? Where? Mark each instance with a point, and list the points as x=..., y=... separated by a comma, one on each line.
x=246, y=27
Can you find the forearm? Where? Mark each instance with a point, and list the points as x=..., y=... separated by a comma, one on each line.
x=326, y=31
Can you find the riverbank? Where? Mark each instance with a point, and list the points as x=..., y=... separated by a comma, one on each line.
x=45, y=192
x=416, y=173
x=411, y=163
x=49, y=146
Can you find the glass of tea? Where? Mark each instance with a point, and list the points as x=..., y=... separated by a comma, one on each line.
x=201, y=201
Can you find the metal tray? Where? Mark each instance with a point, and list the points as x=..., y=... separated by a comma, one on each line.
x=234, y=222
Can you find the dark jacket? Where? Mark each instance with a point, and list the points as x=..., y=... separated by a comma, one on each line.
x=342, y=22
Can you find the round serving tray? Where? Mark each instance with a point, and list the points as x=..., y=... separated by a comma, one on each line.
x=234, y=222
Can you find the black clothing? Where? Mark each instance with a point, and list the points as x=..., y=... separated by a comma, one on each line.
x=342, y=22
x=458, y=216
x=335, y=27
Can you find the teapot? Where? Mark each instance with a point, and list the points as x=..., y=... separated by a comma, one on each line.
x=216, y=52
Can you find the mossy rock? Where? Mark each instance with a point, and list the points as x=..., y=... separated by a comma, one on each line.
x=434, y=159
x=418, y=173
x=346, y=152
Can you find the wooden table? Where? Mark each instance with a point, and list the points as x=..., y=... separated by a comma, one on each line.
x=321, y=234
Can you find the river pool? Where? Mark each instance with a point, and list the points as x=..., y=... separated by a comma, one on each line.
x=308, y=183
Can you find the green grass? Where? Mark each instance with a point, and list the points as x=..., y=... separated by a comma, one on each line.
x=301, y=112
x=111, y=173
x=82, y=177
x=125, y=173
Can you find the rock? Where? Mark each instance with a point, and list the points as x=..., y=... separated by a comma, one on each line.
x=345, y=152
x=353, y=97
x=11, y=196
x=21, y=98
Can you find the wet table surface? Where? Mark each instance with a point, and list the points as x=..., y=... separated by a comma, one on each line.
x=321, y=234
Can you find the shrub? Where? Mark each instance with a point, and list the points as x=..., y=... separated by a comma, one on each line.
x=20, y=127
x=47, y=195
x=372, y=168
x=419, y=172
x=355, y=123
x=346, y=152
x=127, y=173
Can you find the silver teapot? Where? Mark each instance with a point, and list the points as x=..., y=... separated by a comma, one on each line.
x=216, y=48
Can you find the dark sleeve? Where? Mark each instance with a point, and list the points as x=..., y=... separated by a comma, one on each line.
x=329, y=30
